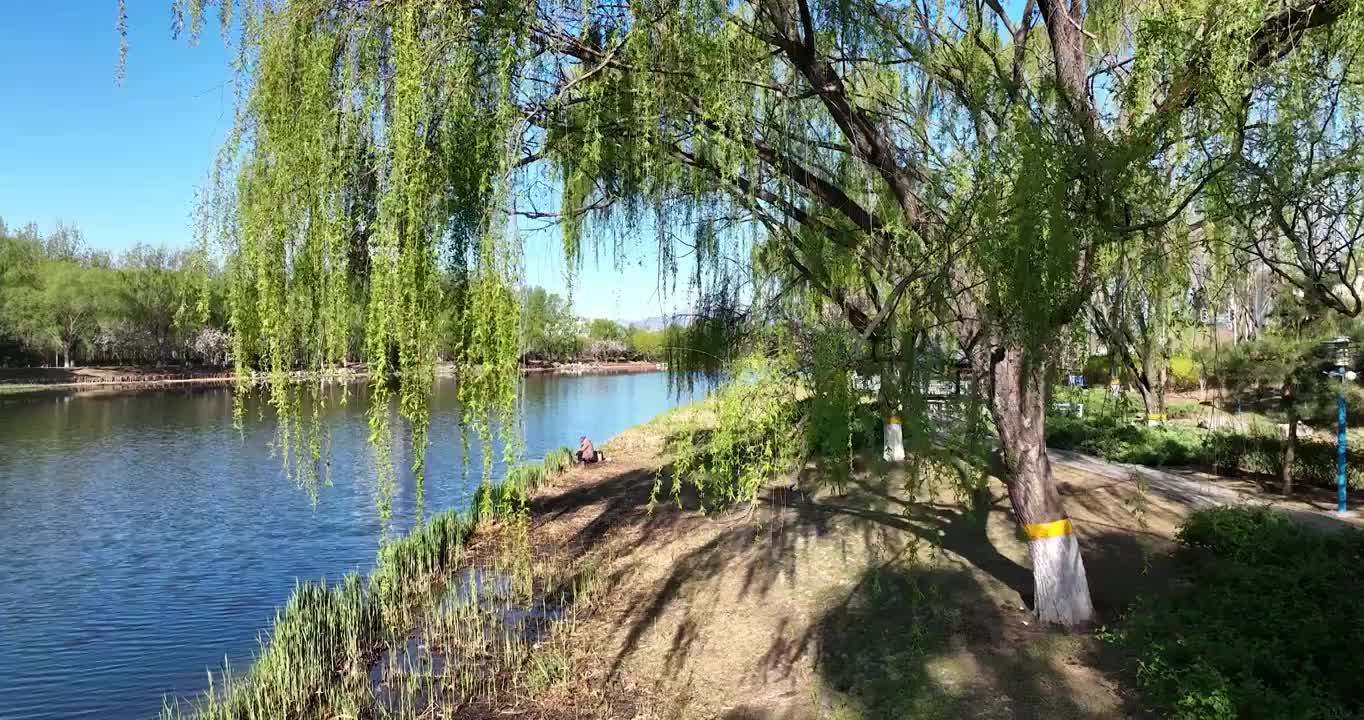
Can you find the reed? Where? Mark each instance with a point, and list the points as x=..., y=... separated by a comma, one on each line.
x=526, y=477
x=416, y=633
x=558, y=461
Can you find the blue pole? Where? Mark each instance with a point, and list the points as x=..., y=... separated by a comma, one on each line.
x=1340, y=444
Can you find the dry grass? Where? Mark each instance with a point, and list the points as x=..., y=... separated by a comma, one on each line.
x=877, y=602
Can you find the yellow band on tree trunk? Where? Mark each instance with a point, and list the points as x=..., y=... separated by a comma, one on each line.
x=1156, y=416
x=1041, y=531
x=893, y=420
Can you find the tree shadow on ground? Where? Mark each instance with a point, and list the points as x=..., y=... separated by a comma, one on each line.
x=927, y=642
x=903, y=638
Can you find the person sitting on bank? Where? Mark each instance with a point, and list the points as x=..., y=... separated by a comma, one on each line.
x=587, y=453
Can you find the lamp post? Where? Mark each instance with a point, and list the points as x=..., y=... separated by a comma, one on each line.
x=1341, y=346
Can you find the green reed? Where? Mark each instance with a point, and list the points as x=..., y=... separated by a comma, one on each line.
x=329, y=642
x=558, y=461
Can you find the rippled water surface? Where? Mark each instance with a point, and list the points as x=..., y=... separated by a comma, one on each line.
x=143, y=540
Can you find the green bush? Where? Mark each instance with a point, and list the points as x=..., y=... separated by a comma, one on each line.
x=1261, y=453
x=1184, y=372
x=1269, y=626
x=1228, y=453
x=1115, y=438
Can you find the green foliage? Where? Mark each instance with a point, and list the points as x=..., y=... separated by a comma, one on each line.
x=1257, y=452
x=1269, y=625
x=66, y=303
x=866, y=160
x=1098, y=370
x=558, y=461
x=645, y=344
x=832, y=405
x=507, y=499
x=1184, y=372
x=1117, y=438
x=550, y=327
x=603, y=329
x=754, y=439
x=1261, y=452
x=526, y=476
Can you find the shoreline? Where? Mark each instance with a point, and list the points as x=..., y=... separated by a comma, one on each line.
x=16, y=381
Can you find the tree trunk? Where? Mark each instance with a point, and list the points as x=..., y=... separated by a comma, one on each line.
x=892, y=432
x=1018, y=407
x=1290, y=447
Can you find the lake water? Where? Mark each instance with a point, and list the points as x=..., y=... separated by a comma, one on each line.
x=143, y=540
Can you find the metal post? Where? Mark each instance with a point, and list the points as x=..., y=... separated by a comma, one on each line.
x=1340, y=444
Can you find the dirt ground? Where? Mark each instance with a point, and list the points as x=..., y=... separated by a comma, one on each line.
x=866, y=601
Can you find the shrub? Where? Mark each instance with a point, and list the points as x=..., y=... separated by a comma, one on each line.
x=1261, y=453
x=1269, y=626
x=1114, y=438
x=1228, y=453
x=1184, y=372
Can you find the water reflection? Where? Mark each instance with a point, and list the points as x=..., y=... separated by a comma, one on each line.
x=145, y=539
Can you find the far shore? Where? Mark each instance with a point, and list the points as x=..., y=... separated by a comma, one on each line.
x=41, y=379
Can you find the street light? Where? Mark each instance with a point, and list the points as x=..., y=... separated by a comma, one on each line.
x=1341, y=348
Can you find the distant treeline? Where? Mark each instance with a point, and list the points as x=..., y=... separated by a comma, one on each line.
x=64, y=303
x=552, y=332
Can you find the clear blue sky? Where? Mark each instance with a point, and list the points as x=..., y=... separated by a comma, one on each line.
x=123, y=162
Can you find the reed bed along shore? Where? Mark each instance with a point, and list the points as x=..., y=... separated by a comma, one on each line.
x=438, y=625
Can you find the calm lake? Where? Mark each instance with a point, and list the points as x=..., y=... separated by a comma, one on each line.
x=143, y=539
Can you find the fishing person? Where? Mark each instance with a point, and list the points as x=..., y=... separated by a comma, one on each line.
x=586, y=452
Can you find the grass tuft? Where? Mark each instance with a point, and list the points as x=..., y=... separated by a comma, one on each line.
x=558, y=461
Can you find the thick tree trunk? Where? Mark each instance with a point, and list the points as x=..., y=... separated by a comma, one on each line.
x=1152, y=401
x=1290, y=447
x=1018, y=407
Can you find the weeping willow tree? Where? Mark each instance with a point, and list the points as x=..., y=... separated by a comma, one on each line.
x=365, y=178
x=915, y=165
x=1140, y=310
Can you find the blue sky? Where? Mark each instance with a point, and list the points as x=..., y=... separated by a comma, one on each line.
x=123, y=162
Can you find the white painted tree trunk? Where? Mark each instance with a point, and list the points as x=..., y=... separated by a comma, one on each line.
x=1061, y=591
x=1018, y=406
x=893, y=447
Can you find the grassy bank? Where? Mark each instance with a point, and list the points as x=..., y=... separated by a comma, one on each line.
x=459, y=613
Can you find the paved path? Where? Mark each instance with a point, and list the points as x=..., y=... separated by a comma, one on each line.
x=1196, y=490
